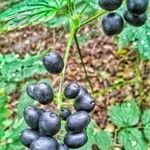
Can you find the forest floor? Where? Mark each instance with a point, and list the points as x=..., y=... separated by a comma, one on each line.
x=114, y=74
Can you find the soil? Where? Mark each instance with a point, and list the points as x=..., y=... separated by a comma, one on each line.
x=106, y=65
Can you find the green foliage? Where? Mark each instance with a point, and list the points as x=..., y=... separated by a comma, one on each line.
x=30, y=13
x=4, y=111
x=14, y=69
x=124, y=115
x=146, y=124
x=139, y=37
x=40, y=11
x=101, y=138
x=11, y=136
x=132, y=136
x=6, y=3
x=132, y=139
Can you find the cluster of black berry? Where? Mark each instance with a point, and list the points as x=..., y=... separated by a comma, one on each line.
x=135, y=15
x=44, y=125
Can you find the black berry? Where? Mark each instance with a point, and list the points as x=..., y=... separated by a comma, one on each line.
x=30, y=90
x=112, y=24
x=72, y=90
x=49, y=123
x=75, y=140
x=65, y=113
x=110, y=5
x=28, y=136
x=53, y=62
x=43, y=93
x=135, y=20
x=84, y=102
x=62, y=147
x=31, y=116
x=77, y=122
x=137, y=6
x=82, y=91
x=44, y=143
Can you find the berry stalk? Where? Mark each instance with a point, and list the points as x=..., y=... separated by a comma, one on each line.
x=100, y=13
x=60, y=95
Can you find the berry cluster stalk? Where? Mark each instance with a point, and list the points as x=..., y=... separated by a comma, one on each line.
x=60, y=93
x=100, y=13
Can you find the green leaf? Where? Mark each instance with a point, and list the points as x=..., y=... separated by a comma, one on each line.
x=4, y=112
x=146, y=124
x=14, y=69
x=104, y=140
x=10, y=87
x=126, y=114
x=30, y=12
x=12, y=135
x=139, y=37
x=132, y=139
x=94, y=3
x=101, y=138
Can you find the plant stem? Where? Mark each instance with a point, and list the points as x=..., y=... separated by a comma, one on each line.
x=60, y=93
x=83, y=64
x=102, y=12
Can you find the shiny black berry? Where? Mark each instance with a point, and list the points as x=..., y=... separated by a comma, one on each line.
x=53, y=62
x=84, y=102
x=77, y=122
x=75, y=140
x=112, y=24
x=137, y=6
x=44, y=143
x=43, y=93
x=28, y=136
x=72, y=90
x=62, y=147
x=30, y=90
x=49, y=123
x=65, y=113
x=82, y=91
x=110, y=5
x=31, y=116
x=135, y=20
